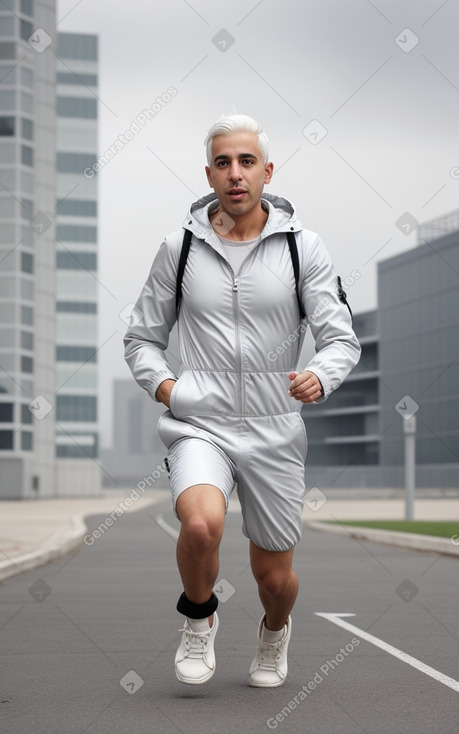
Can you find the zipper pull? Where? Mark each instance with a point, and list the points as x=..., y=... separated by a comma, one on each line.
x=235, y=284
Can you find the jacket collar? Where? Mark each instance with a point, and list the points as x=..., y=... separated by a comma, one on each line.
x=281, y=217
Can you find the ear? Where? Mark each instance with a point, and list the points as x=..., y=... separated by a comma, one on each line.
x=209, y=177
x=269, y=169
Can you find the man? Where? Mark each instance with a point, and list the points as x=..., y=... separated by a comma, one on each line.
x=234, y=410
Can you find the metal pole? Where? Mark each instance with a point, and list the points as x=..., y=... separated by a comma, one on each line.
x=409, y=429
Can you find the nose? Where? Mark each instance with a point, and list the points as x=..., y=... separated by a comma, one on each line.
x=235, y=171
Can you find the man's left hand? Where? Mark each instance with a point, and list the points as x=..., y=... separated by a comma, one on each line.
x=305, y=386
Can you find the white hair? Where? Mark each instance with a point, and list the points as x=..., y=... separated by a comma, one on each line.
x=233, y=124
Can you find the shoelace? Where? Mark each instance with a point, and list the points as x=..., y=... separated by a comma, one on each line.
x=196, y=643
x=273, y=655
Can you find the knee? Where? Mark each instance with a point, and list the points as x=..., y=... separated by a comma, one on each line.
x=274, y=581
x=202, y=534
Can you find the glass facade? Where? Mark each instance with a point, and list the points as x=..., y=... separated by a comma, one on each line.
x=76, y=257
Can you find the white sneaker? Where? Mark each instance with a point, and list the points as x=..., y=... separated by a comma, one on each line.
x=269, y=666
x=195, y=657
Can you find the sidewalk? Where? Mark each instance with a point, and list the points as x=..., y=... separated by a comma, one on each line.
x=331, y=507
x=34, y=532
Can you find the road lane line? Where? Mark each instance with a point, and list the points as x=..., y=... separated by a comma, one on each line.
x=171, y=532
x=336, y=618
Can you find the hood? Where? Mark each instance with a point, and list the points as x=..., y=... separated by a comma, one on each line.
x=281, y=216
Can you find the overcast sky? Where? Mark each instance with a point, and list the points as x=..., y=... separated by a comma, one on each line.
x=380, y=79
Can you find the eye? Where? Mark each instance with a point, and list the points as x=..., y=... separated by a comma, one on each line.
x=220, y=164
x=248, y=161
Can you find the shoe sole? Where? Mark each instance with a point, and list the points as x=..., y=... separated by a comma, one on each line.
x=193, y=682
x=269, y=685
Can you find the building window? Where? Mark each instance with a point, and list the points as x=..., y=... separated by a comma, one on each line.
x=26, y=364
x=26, y=209
x=26, y=262
x=89, y=80
x=76, y=107
x=76, y=354
x=26, y=155
x=7, y=75
x=26, y=77
x=26, y=415
x=7, y=100
x=26, y=7
x=27, y=289
x=76, y=233
x=76, y=307
x=77, y=260
x=7, y=28
x=76, y=408
x=7, y=50
x=75, y=162
x=26, y=440
x=83, y=446
x=75, y=46
x=6, y=412
x=27, y=340
x=77, y=208
x=6, y=440
x=7, y=125
x=26, y=29
x=26, y=128
x=27, y=315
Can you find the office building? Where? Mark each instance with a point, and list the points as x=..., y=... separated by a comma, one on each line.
x=41, y=307
x=409, y=364
x=77, y=450
x=27, y=249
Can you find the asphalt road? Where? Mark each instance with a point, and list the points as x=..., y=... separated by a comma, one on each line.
x=87, y=642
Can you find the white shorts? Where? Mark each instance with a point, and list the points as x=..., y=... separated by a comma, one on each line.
x=264, y=456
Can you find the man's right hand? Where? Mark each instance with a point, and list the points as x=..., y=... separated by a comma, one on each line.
x=164, y=390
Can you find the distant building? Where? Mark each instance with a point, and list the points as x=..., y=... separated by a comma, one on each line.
x=27, y=249
x=77, y=430
x=47, y=291
x=137, y=449
x=344, y=430
x=410, y=356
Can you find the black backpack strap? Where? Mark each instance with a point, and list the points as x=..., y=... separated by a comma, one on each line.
x=342, y=295
x=296, y=269
x=181, y=266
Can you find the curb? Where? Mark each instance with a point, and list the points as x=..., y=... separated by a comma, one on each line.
x=60, y=543
x=411, y=541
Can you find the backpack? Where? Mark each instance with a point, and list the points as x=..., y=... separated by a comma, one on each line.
x=295, y=263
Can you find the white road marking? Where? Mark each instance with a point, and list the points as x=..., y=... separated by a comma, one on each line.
x=336, y=618
x=171, y=532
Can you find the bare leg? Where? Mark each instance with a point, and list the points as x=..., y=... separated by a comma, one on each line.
x=277, y=584
x=201, y=510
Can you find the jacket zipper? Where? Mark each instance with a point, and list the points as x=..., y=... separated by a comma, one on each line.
x=239, y=377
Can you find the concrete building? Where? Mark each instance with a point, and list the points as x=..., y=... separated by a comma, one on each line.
x=410, y=361
x=77, y=428
x=419, y=351
x=137, y=450
x=41, y=314
x=27, y=248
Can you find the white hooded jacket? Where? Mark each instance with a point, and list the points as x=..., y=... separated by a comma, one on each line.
x=240, y=335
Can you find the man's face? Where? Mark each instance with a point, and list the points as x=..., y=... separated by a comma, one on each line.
x=238, y=173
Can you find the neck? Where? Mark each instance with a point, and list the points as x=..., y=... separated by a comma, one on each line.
x=247, y=226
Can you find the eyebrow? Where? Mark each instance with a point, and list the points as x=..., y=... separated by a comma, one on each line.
x=227, y=157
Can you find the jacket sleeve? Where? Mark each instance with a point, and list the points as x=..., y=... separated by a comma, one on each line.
x=151, y=321
x=337, y=347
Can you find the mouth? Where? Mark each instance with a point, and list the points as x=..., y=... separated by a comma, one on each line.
x=236, y=194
